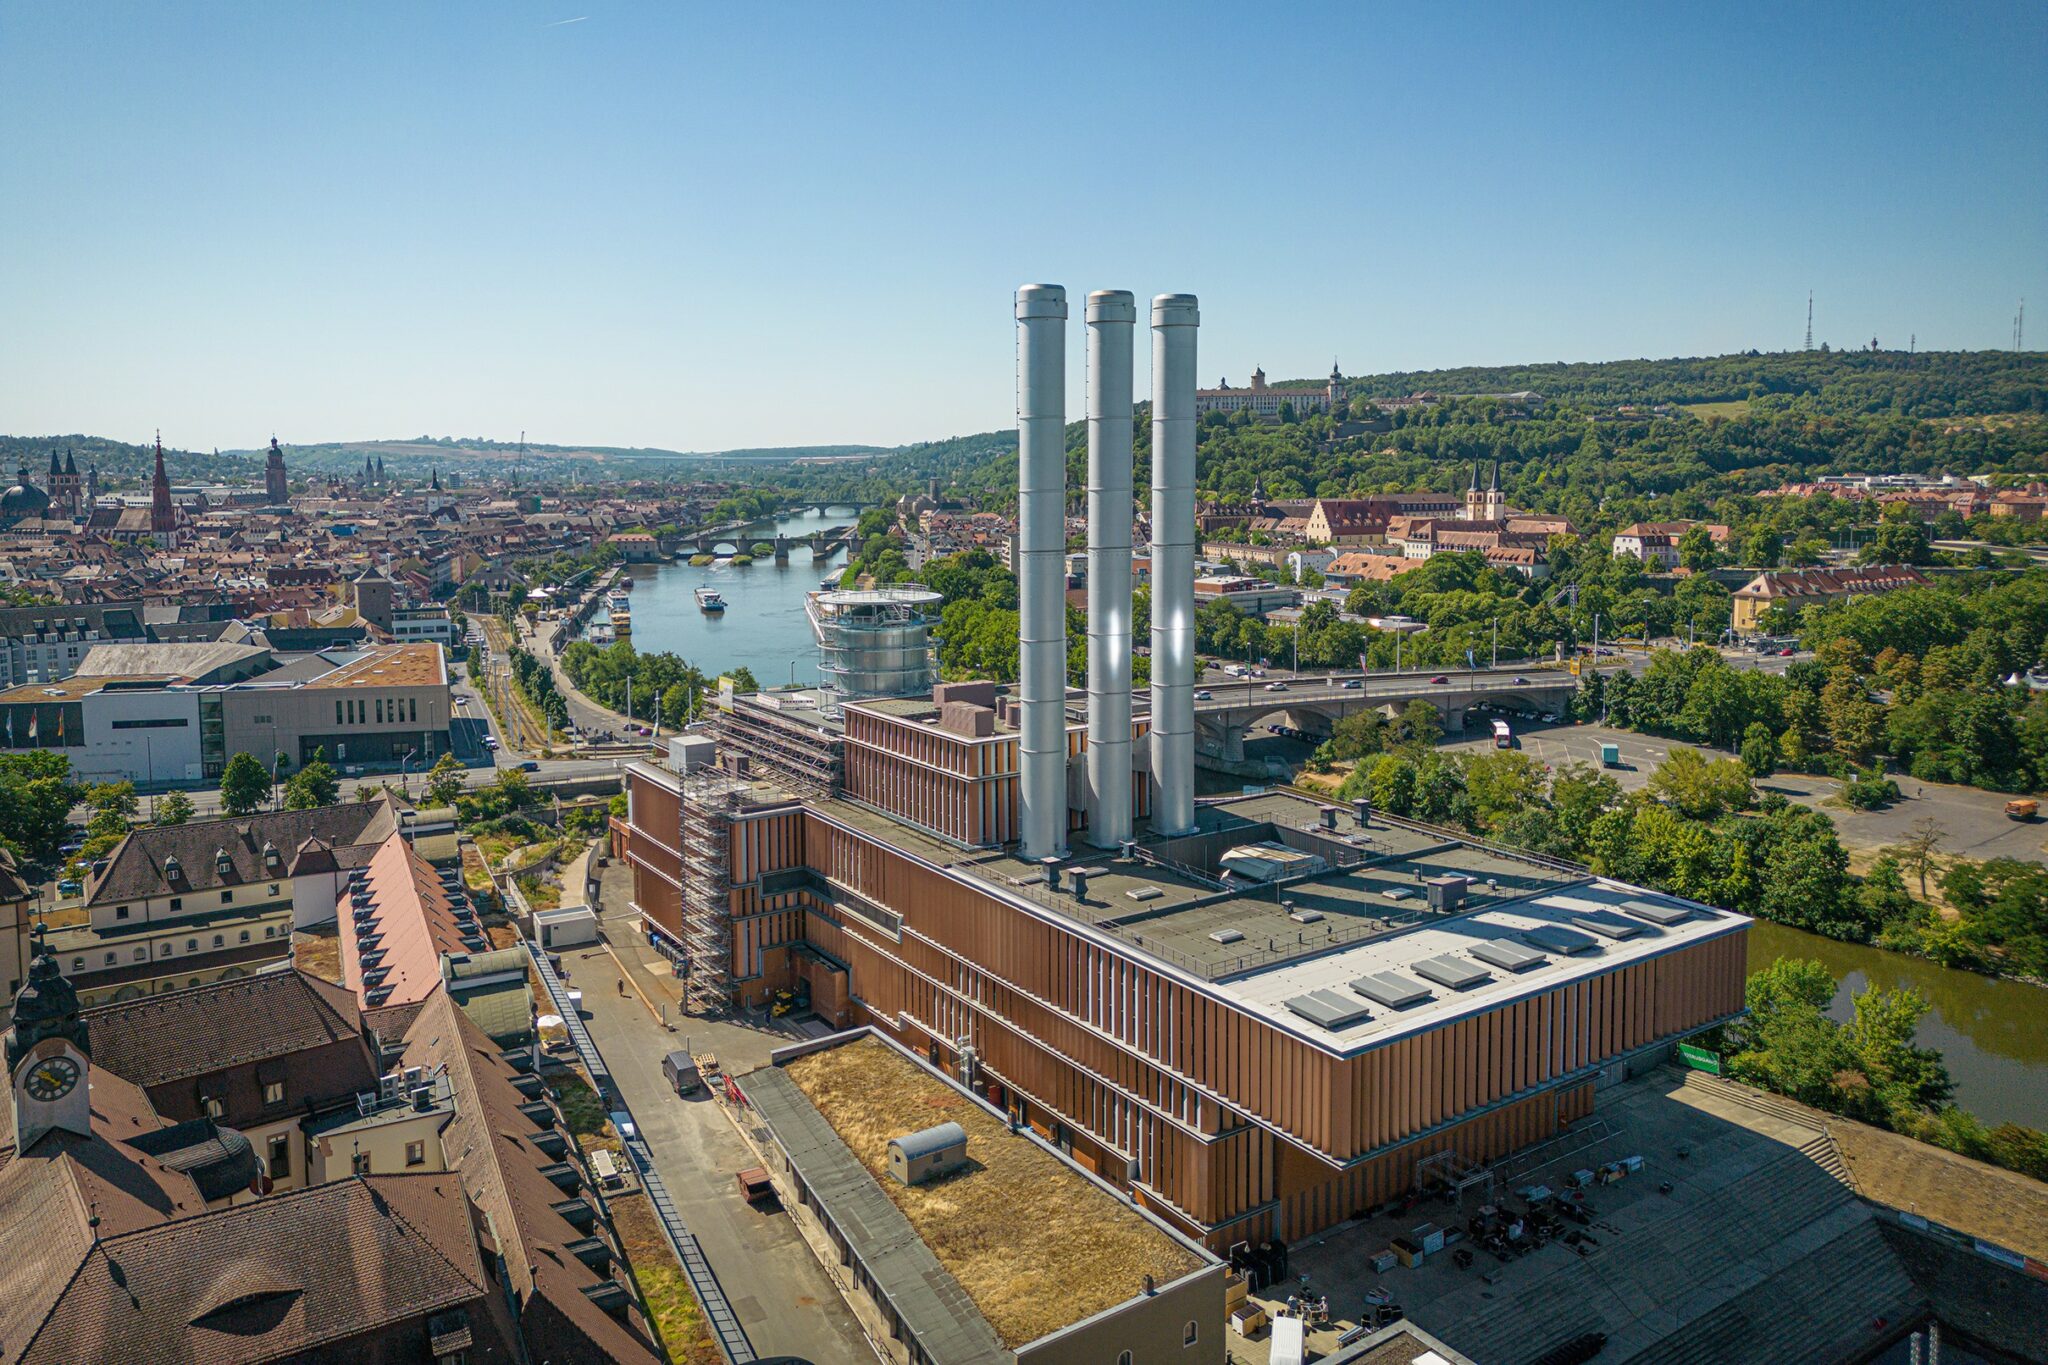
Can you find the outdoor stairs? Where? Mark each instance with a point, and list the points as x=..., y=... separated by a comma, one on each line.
x=1824, y=1154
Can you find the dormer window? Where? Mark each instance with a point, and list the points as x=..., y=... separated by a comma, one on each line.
x=222, y=864
x=173, y=869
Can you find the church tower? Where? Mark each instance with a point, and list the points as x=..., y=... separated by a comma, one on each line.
x=48, y=1055
x=1475, y=502
x=275, y=487
x=1496, y=505
x=163, y=516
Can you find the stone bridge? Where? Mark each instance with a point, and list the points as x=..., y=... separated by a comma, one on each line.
x=1315, y=703
x=740, y=537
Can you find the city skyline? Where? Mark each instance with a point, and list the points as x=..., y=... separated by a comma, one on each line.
x=632, y=227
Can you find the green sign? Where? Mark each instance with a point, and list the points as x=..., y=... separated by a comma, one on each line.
x=1699, y=1059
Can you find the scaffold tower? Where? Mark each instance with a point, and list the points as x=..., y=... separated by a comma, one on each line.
x=709, y=800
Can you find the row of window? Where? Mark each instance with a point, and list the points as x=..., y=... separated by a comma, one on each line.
x=392, y=711
x=167, y=948
x=178, y=902
x=154, y=723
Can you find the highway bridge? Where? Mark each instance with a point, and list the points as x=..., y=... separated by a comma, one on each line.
x=1225, y=711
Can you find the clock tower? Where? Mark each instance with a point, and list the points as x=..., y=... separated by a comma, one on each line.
x=47, y=1055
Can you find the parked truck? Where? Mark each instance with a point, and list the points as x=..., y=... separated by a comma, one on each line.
x=2026, y=808
x=1610, y=755
x=680, y=1070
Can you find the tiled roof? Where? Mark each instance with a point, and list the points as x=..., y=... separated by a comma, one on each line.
x=237, y=1285
x=136, y=867
x=206, y=1029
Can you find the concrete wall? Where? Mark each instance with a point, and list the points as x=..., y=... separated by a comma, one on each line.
x=296, y=720
x=148, y=737
x=1181, y=1324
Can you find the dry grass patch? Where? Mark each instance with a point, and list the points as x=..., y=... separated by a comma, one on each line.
x=318, y=952
x=1036, y=1246
x=663, y=1290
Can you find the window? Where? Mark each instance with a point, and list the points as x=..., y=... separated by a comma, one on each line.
x=270, y=931
x=339, y=718
x=77, y=964
x=416, y=1153
x=245, y=936
x=121, y=911
x=360, y=1163
x=177, y=902
x=166, y=948
x=110, y=960
x=380, y=710
x=158, y=723
x=142, y=954
x=1124, y=1358
x=1191, y=1333
x=281, y=1156
x=273, y=1092
x=412, y=707
x=219, y=941
x=191, y=945
x=275, y=888
x=214, y=1108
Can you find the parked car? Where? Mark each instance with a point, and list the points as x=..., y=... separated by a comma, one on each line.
x=68, y=887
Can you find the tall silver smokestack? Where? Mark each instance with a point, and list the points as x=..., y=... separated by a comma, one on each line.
x=1174, y=319
x=1041, y=566
x=1112, y=317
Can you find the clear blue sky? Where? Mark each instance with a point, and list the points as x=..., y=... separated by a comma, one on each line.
x=705, y=226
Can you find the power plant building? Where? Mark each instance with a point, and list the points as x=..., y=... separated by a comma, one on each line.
x=1256, y=1014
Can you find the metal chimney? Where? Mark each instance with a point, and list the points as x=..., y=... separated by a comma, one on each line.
x=1112, y=317
x=1041, y=567
x=1174, y=319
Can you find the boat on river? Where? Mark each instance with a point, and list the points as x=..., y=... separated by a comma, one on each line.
x=709, y=599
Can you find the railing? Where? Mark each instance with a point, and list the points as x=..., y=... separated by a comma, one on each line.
x=724, y=1323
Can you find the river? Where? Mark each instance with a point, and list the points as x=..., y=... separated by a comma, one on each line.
x=763, y=626
x=1994, y=1033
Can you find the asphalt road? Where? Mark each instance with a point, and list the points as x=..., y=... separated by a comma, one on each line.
x=1974, y=820
x=776, y=1286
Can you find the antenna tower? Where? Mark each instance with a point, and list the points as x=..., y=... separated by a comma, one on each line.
x=2019, y=328
x=1809, y=319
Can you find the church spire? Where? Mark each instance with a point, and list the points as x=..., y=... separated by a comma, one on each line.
x=163, y=517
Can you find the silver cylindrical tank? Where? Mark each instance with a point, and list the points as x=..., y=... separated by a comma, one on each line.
x=1174, y=320
x=1112, y=318
x=875, y=642
x=1041, y=568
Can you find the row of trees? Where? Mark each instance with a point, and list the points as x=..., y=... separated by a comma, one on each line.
x=1871, y=1068
x=662, y=684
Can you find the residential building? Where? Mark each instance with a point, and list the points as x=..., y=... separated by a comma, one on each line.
x=1655, y=543
x=174, y=906
x=1252, y=596
x=431, y=1213
x=1796, y=588
x=1360, y=521
x=46, y=644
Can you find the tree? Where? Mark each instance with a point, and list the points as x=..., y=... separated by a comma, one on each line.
x=1805, y=552
x=1787, y=1043
x=1696, y=549
x=512, y=789
x=112, y=798
x=173, y=808
x=36, y=797
x=314, y=785
x=1759, y=750
x=444, y=781
x=1702, y=788
x=244, y=785
x=1918, y=850
x=1503, y=784
x=1762, y=547
x=1855, y=723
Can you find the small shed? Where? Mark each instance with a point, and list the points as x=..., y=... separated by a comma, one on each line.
x=928, y=1154
x=571, y=926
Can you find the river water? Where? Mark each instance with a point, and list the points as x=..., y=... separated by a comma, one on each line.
x=763, y=626
x=1994, y=1033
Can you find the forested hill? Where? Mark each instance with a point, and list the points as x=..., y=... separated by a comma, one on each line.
x=1835, y=383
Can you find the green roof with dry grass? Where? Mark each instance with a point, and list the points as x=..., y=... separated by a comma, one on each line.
x=1036, y=1245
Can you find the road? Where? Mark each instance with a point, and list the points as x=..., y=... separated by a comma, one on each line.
x=1974, y=820
x=775, y=1284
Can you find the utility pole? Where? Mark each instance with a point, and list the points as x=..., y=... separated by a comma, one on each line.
x=1496, y=642
x=1809, y=319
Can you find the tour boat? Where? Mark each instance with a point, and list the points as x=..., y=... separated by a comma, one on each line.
x=709, y=599
x=600, y=633
x=622, y=624
x=618, y=601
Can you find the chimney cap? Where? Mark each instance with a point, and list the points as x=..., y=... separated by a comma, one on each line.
x=1042, y=301
x=1176, y=310
x=1112, y=305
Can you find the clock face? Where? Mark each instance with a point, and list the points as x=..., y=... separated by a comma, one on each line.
x=51, y=1079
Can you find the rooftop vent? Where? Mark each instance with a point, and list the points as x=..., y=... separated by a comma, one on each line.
x=1329, y=1009
x=1558, y=939
x=1663, y=913
x=1452, y=972
x=1507, y=955
x=1227, y=936
x=1144, y=893
x=1302, y=916
x=1607, y=926
x=1391, y=989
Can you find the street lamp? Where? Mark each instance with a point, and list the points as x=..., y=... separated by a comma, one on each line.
x=404, y=789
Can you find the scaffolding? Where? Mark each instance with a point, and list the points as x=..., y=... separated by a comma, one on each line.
x=709, y=801
x=794, y=750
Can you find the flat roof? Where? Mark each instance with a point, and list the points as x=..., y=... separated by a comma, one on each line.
x=1082, y=1251
x=409, y=665
x=77, y=686
x=1264, y=946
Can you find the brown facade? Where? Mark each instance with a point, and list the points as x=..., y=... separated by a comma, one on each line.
x=1216, y=1117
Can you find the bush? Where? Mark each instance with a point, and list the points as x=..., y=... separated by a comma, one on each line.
x=1870, y=790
